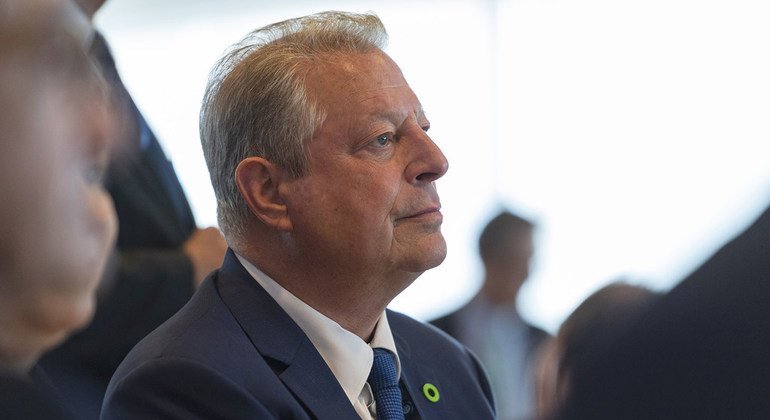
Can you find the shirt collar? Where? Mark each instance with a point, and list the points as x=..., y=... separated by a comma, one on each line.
x=348, y=356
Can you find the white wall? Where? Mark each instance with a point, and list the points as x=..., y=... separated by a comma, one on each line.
x=635, y=132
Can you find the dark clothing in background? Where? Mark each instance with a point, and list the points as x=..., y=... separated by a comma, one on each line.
x=31, y=398
x=702, y=352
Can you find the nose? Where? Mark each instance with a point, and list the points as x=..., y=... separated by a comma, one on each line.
x=428, y=162
x=96, y=134
x=101, y=130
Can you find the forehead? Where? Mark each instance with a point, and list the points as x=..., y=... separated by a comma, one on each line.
x=342, y=77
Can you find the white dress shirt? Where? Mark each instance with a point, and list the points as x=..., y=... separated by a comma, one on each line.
x=347, y=355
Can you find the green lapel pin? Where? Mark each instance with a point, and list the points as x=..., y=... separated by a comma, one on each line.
x=431, y=392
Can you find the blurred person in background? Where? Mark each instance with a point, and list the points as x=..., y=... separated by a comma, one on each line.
x=700, y=352
x=161, y=255
x=490, y=324
x=600, y=318
x=57, y=224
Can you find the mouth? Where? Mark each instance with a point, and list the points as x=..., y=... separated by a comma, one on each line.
x=432, y=213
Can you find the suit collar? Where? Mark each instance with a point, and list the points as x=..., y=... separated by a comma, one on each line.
x=276, y=336
x=415, y=375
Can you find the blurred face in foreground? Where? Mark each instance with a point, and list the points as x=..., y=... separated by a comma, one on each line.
x=57, y=223
x=368, y=207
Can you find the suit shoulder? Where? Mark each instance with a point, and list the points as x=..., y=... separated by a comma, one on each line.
x=447, y=323
x=181, y=382
x=427, y=335
x=190, y=333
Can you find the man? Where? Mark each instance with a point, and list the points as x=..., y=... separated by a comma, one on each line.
x=490, y=324
x=160, y=258
x=325, y=179
x=57, y=222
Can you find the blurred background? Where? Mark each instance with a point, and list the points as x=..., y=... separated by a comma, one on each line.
x=636, y=134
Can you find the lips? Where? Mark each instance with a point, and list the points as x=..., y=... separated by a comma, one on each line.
x=429, y=212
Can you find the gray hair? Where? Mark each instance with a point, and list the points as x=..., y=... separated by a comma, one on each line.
x=256, y=103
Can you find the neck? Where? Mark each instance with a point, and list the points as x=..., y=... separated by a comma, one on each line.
x=353, y=300
x=342, y=299
x=496, y=296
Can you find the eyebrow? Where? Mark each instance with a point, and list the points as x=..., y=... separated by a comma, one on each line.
x=391, y=115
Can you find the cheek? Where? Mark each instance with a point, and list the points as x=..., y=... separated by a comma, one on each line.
x=104, y=218
x=100, y=231
x=370, y=215
x=81, y=228
x=375, y=191
x=55, y=315
x=76, y=249
x=94, y=226
x=355, y=192
x=349, y=214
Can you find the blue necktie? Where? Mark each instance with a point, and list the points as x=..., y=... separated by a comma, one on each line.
x=384, y=383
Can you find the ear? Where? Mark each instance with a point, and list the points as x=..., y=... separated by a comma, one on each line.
x=258, y=180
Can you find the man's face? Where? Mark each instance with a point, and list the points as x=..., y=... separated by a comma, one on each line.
x=58, y=223
x=368, y=206
x=509, y=269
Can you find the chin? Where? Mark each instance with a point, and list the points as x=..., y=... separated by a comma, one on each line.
x=68, y=314
x=431, y=256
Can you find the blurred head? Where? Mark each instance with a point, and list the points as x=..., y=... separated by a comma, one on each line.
x=57, y=222
x=506, y=246
x=310, y=129
x=591, y=326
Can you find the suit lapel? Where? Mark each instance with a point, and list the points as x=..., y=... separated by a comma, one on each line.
x=414, y=376
x=276, y=336
x=311, y=380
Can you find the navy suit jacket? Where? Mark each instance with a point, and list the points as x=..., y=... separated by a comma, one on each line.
x=233, y=353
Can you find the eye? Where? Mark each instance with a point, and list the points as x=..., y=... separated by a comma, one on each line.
x=95, y=171
x=382, y=140
x=94, y=175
